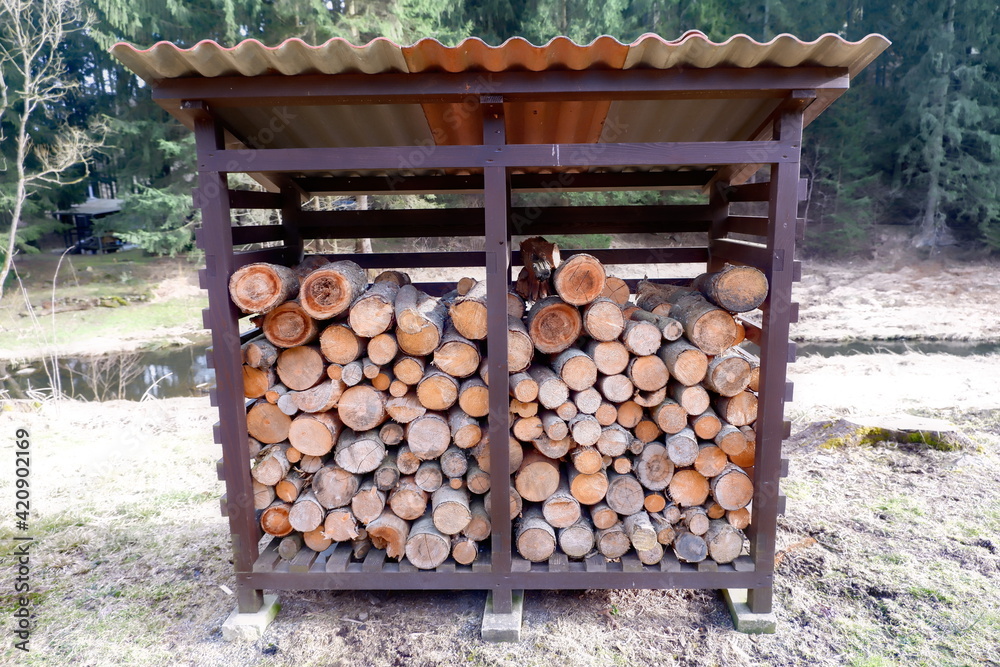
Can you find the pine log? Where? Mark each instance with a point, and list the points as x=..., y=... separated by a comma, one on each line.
x=369, y=369
x=629, y=414
x=624, y=495
x=695, y=519
x=389, y=532
x=437, y=390
x=334, y=486
x=576, y=369
x=479, y=527
x=359, y=452
x=317, y=540
x=738, y=410
x=464, y=550
x=553, y=324
x=728, y=374
x=456, y=355
x=737, y=289
x=387, y=474
x=341, y=525
x=527, y=429
x=654, y=501
x=670, y=416
x=682, y=448
x=362, y=407
x=688, y=487
x=552, y=391
x=267, y=423
x=468, y=311
x=473, y=397
x=588, y=400
x=427, y=547
x=407, y=462
x=289, y=325
x=404, y=409
x=694, y=399
x=615, y=388
x=738, y=518
x=611, y=357
x=653, y=467
x=686, y=363
x=669, y=328
x=329, y=290
x=373, y=312
x=641, y=338
x=537, y=478
x=711, y=460
x=465, y=430
x=392, y=433
x=408, y=501
x=648, y=373
x=429, y=435
x=603, y=516
x=409, y=370
x=306, y=513
x=272, y=466
x=256, y=382
x=640, y=531
x=262, y=287
x=725, y=542
x=647, y=431
x=315, y=434
x=613, y=542
x=361, y=545
x=561, y=509
x=706, y=425
x=476, y=480
x=450, y=510
x=603, y=319
x=613, y=441
x=340, y=345
x=289, y=488
x=577, y=541
x=535, y=538
x=732, y=488
x=730, y=440
x=586, y=460
x=320, y=398
x=274, y=519
x=580, y=279
x=554, y=448
x=399, y=277
x=672, y=512
x=616, y=289
x=429, y=476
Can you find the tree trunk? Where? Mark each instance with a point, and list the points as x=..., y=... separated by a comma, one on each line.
x=725, y=542
x=616, y=289
x=624, y=495
x=272, y=467
x=738, y=410
x=409, y=370
x=429, y=476
x=576, y=369
x=682, y=448
x=670, y=328
x=408, y=501
x=613, y=542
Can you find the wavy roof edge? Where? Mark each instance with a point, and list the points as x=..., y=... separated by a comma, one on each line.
x=207, y=58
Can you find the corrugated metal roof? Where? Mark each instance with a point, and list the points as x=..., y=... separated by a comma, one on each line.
x=527, y=122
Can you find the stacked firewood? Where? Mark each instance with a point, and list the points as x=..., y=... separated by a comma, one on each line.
x=631, y=424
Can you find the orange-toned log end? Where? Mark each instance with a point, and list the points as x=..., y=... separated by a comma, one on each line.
x=735, y=288
x=616, y=289
x=554, y=325
x=688, y=488
x=580, y=279
x=267, y=423
x=714, y=332
x=262, y=287
x=289, y=325
x=329, y=290
x=732, y=488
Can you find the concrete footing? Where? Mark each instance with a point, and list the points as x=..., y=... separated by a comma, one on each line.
x=503, y=627
x=745, y=620
x=250, y=627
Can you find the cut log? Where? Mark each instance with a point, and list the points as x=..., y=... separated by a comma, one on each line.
x=310, y=464
x=429, y=476
x=613, y=542
x=407, y=462
x=537, y=478
x=341, y=525
x=737, y=289
x=695, y=519
x=611, y=357
x=321, y=398
x=738, y=410
x=624, y=495
x=647, y=431
x=672, y=512
x=476, y=480
x=464, y=550
x=361, y=545
x=653, y=467
x=256, y=382
x=689, y=547
x=714, y=510
x=586, y=460
x=754, y=361
x=482, y=453
x=340, y=345
x=670, y=416
x=710, y=328
x=686, y=363
x=577, y=541
x=399, y=277
x=650, y=556
x=389, y=532
x=456, y=355
x=576, y=369
x=561, y=509
x=648, y=373
x=738, y=518
x=404, y=409
x=479, y=527
x=730, y=440
x=535, y=538
x=274, y=393
x=523, y=387
x=654, y=501
x=353, y=373
x=454, y=462
x=473, y=397
x=552, y=391
x=334, y=486
x=383, y=380
x=427, y=547
x=669, y=328
x=262, y=287
x=567, y=411
x=409, y=370
x=468, y=311
x=706, y=425
x=682, y=448
x=641, y=338
x=732, y=488
x=711, y=460
x=359, y=452
x=450, y=510
x=650, y=399
x=555, y=428
x=465, y=430
x=616, y=289
x=437, y=390
x=274, y=519
x=694, y=399
x=515, y=503
x=553, y=325
x=603, y=320
x=728, y=374
x=289, y=488
x=613, y=441
x=289, y=325
x=615, y=388
x=429, y=435
x=382, y=348
x=725, y=542
x=517, y=408
x=317, y=540
x=665, y=532
x=746, y=458
x=373, y=312
x=306, y=514
x=387, y=474
x=369, y=369
x=362, y=407
x=273, y=465
x=329, y=290
x=588, y=400
x=640, y=531
x=259, y=353
x=688, y=487
x=392, y=433
x=580, y=279
x=267, y=423
x=527, y=429
x=629, y=414
x=408, y=501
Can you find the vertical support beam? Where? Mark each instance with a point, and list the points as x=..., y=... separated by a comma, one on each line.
x=719, y=206
x=291, y=217
x=782, y=213
x=223, y=318
x=496, y=197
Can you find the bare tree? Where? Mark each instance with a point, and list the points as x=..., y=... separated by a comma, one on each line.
x=33, y=77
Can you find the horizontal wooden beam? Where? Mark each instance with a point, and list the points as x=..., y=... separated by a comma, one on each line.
x=511, y=155
x=437, y=87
